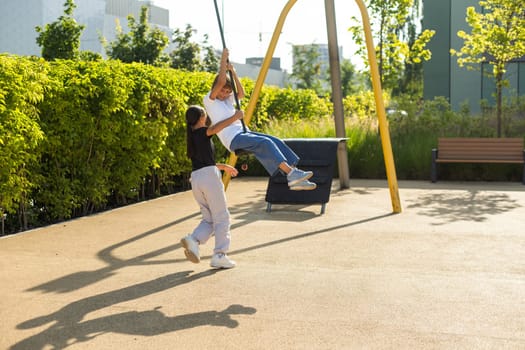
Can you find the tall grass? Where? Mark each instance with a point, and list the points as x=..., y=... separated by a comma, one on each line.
x=308, y=128
x=413, y=136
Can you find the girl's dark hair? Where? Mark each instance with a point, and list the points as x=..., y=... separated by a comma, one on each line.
x=193, y=114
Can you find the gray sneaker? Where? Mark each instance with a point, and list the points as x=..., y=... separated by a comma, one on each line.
x=297, y=175
x=191, y=249
x=304, y=185
x=221, y=261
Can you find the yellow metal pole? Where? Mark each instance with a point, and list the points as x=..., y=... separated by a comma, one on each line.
x=260, y=80
x=376, y=83
x=380, y=107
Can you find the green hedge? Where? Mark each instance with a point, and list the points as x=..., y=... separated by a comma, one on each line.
x=78, y=137
x=22, y=87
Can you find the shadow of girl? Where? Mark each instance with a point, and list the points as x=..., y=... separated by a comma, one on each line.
x=68, y=328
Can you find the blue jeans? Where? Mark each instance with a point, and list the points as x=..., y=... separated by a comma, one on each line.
x=269, y=150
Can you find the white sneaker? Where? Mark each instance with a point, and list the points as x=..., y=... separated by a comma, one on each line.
x=297, y=175
x=304, y=185
x=191, y=249
x=221, y=261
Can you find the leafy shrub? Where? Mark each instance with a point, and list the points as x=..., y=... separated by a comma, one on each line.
x=22, y=85
x=78, y=137
x=81, y=136
x=362, y=104
x=297, y=105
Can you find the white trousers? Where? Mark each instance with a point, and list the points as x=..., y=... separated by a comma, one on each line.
x=208, y=190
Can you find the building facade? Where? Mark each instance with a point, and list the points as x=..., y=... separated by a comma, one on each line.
x=442, y=74
x=323, y=58
x=322, y=51
x=18, y=19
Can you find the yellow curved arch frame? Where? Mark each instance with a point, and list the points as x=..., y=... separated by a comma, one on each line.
x=376, y=84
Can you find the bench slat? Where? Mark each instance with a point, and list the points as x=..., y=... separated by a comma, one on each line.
x=480, y=155
x=501, y=161
x=483, y=140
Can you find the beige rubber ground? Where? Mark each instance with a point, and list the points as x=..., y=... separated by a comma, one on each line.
x=446, y=273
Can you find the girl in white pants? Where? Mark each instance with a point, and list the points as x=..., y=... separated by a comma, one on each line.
x=208, y=189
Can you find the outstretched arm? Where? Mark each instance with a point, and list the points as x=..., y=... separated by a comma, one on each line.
x=227, y=168
x=215, y=128
x=221, y=79
x=238, y=85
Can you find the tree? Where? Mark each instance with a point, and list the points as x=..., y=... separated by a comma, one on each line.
x=188, y=54
x=306, y=68
x=141, y=44
x=411, y=81
x=61, y=39
x=497, y=37
x=211, y=61
x=348, y=77
x=399, y=48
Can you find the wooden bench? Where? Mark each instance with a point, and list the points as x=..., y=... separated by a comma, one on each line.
x=478, y=150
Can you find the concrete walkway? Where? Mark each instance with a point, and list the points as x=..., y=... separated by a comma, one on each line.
x=446, y=273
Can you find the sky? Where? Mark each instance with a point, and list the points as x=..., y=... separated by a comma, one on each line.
x=249, y=25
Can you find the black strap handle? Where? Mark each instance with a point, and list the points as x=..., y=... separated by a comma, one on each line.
x=234, y=88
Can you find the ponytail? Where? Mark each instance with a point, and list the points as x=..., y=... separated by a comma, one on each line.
x=193, y=114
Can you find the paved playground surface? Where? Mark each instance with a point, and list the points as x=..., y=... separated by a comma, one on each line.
x=446, y=273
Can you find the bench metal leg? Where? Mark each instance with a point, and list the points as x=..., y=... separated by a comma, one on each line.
x=269, y=207
x=433, y=174
x=523, y=176
x=523, y=173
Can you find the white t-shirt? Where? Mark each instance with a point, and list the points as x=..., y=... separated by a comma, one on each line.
x=220, y=110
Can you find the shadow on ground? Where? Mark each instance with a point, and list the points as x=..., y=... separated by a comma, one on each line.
x=463, y=206
x=68, y=326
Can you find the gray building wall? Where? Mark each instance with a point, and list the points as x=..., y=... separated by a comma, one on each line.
x=465, y=84
x=322, y=50
x=323, y=59
x=442, y=74
x=275, y=77
x=92, y=14
x=18, y=19
x=436, y=72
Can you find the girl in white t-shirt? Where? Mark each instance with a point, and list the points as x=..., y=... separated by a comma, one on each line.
x=271, y=151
